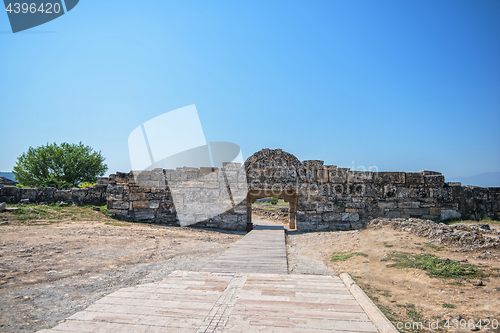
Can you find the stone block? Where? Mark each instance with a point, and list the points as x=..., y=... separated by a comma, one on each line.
x=142, y=204
x=338, y=175
x=314, y=217
x=372, y=190
x=389, y=177
x=137, y=196
x=441, y=194
x=329, y=217
x=65, y=195
x=77, y=195
x=46, y=194
x=350, y=217
x=415, y=212
x=430, y=173
x=448, y=214
x=434, y=211
x=144, y=214
x=419, y=192
x=340, y=226
x=8, y=199
x=313, y=164
x=355, y=205
x=30, y=194
x=118, y=205
x=355, y=189
x=308, y=206
x=390, y=191
x=311, y=175
x=402, y=192
x=322, y=176
x=392, y=214
x=415, y=178
x=387, y=204
x=409, y=204
x=154, y=204
x=9, y=191
x=360, y=177
x=434, y=180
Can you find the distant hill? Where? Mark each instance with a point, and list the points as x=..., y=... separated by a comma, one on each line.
x=486, y=179
x=7, y=182
x=8, y=175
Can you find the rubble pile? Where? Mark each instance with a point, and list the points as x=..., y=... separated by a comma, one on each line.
x=466, y=237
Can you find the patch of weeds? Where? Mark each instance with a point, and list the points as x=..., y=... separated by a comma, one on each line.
x=471, y=298
x=434, y=247
x=388, y=245
x=413, y=313
x=356, y=277
x=448, y=305
x=498, y=289
x=435, y=266
x=456, y=283
x=104, y=210
x=485, y=220
x=387, y=312
x=386, y=294
x=118, y=224
x=373, y=298
x=394, y=256
x=342, y=256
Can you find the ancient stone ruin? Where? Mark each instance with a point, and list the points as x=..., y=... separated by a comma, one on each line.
x=95, y=195
x=321, y=197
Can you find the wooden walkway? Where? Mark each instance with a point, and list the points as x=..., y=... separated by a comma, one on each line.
x=263, y=250
x=246, y=289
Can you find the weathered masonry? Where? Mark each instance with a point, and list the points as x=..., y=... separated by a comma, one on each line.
x=321, y=197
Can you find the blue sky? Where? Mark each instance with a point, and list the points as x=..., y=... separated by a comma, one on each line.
x=400, y=85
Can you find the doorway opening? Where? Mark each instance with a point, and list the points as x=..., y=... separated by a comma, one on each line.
x=279, y=202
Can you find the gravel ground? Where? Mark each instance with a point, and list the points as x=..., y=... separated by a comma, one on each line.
x=49, y=272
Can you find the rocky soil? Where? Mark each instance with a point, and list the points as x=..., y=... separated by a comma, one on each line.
x=49, y=272
x=410, y=295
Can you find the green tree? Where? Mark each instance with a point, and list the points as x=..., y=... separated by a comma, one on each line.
x=62, y=166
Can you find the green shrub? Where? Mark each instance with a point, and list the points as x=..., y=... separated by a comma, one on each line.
x=85, y=184
x=274, y=201
x=435, y=266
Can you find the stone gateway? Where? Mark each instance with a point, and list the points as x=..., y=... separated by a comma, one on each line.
x=321, y=197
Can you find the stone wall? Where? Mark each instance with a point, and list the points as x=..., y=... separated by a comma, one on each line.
x=332, y=198
x=321, y=197
x=185, y=196
x=81, y=196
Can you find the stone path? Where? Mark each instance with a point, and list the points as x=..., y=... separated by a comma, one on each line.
x=246, y=289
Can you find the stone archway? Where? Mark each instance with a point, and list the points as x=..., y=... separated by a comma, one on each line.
x=274, y=173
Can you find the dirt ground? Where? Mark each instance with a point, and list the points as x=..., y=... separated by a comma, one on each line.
x=406, y=295
x=50, y=269
x=48, y=272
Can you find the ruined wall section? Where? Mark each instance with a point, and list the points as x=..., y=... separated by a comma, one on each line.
x=201, y=193
x=323, y=197
x=332, y=198
x=95, y=195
